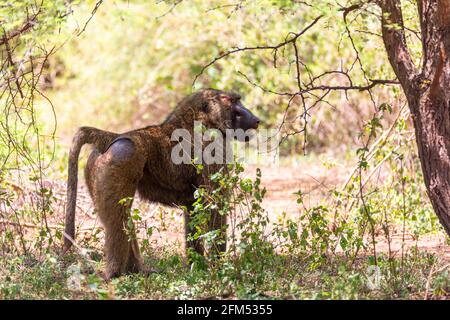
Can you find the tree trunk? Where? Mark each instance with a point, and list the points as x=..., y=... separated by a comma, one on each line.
x=427, y=92
x=432, y=126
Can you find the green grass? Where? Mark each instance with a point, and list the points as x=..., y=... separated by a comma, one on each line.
x=129, y=68
x=282, y=277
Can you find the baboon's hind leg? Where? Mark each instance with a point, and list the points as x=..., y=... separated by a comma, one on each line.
x=117, y=173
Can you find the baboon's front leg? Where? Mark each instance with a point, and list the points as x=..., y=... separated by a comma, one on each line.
x=218, y=222
x=117, y=173
x=189, y=231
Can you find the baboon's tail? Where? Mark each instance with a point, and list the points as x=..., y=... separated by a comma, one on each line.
x=85, y=135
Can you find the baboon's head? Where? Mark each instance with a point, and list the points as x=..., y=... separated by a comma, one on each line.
x=224, y=110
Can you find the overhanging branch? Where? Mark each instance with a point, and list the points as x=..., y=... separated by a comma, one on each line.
x=314, y=91
x=275, y=48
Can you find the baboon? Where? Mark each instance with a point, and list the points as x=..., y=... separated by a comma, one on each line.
x=140, y=160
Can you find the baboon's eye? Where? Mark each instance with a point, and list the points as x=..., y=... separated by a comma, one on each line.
x=226, y=100
x=205, y=106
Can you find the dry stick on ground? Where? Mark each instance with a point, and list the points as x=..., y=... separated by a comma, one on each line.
x=378, y=143
x=384, y=160
x=34, y=226
x=427, y=287
x=374, y=147
x=22, y=190
x=432, y=271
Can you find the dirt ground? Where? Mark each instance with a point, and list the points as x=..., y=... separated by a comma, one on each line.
x=281, y=182
x=314, y=181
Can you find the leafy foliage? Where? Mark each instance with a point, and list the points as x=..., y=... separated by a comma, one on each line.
x=128, y=67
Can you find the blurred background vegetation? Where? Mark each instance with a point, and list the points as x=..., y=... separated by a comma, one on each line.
x=136, y=60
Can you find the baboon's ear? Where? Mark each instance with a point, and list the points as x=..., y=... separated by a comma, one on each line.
x=226, y=100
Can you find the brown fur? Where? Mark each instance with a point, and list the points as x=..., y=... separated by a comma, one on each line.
x=148, y=170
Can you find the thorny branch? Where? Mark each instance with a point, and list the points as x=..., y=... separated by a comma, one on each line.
x=311, y=93
x=274, y=48
x=28, y=24
x=27, y=150
x=97, y=5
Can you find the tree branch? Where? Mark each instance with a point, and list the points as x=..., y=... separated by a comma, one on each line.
x=24, y=28
x=275, y=48
x=97, y=5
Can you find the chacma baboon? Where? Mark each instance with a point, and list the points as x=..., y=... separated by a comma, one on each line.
x=140, y=160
